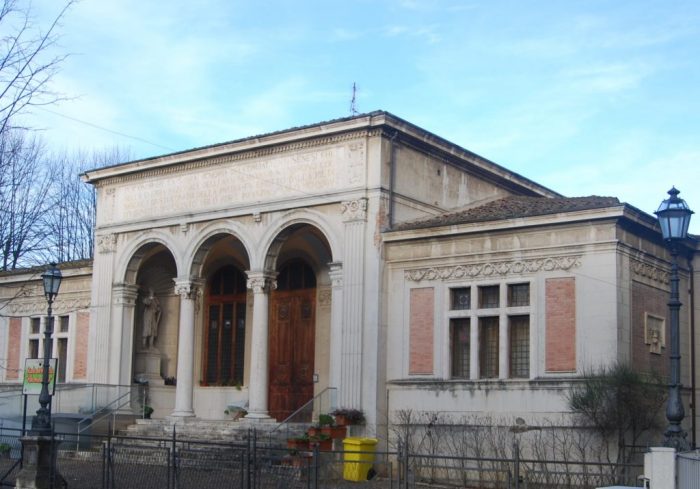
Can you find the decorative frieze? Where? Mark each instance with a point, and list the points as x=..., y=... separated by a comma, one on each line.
x=491, y=269
x=38, y=307
x=650, y=272
x=354, y=210
x=106, y=243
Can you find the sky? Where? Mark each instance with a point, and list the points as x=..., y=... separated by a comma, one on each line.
x=584, y=97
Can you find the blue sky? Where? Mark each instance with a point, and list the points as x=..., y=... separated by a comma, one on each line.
x=585, y=97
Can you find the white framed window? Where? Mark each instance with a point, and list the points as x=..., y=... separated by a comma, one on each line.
x=489, y=330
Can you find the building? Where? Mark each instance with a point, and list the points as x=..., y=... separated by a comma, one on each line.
x=363, y=254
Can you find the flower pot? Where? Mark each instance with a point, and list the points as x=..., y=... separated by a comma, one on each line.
x=323, y=445
x=313, y=431
x=335, y=432
x=297, y=444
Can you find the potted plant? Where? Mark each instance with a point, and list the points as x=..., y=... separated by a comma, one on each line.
x=324, y=420
x=298, y=443
x=348, y=416
x=147, y=411
x=330, y=429
x=324, y=442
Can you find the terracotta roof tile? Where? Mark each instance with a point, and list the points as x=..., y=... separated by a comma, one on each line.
x=512, y=208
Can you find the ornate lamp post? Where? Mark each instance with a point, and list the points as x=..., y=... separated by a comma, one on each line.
x=674, y=218
x=41, y=424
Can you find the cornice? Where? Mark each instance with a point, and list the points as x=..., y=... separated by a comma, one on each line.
x=205, y=161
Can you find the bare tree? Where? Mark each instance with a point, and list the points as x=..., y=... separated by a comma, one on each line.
x=24, y=187
x=25, y=70
x=70, y=219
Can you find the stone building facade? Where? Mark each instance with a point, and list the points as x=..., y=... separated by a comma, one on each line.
x=363, y=254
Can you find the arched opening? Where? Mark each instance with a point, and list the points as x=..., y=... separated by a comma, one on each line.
x=292, y=338
x=156, y=315
x=224, y=328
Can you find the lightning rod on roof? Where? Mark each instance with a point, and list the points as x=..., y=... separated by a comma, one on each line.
x=353, y=101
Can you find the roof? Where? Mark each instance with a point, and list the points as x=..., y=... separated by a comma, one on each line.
x=512, y=208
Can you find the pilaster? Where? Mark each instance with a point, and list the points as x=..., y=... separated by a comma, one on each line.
x=122, y=333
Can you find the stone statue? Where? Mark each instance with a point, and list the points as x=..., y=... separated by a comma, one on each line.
x=151, y=318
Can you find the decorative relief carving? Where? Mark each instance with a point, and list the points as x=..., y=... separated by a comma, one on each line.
x=261, y=284
x=184, y=227
x=649, y=271
x=39, y=307
x=187, y=289
x=354, y=210
x=106, y=243
x=324, y=297
x=654, y=333
x=493, y=269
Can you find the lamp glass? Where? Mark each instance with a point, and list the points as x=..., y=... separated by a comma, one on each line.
x=674, y=216
x=52, y=281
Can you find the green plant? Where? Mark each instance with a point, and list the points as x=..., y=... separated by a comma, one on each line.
x=5, y=448
x=325, y=420
x=147, y=411
x=620, y=403
x=351, y=415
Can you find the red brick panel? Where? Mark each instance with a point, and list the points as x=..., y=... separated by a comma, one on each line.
x=421, y=331
x=646, y=299
x=560, y=311
x=14, y=342
x=82, y=331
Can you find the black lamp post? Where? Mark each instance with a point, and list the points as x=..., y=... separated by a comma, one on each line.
x=674, y=218
x=41, y=424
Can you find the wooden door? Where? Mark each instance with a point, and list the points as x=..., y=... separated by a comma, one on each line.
x=291, y=351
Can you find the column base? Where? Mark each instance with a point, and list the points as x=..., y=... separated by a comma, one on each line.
x=259, y=416
x=40, y=470
x=182, y=414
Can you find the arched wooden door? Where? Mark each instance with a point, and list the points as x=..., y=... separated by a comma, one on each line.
x=292, y=333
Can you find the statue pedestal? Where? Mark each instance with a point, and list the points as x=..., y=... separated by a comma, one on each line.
x=147, y=368
x=40, y=470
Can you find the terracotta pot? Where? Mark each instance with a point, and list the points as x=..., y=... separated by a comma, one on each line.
x=324, y=445
x=313, y=431
x=341, y=420
x=297, y=444
x=335, y=432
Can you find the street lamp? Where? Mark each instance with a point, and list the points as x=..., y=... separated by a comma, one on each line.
x=41, y=423
x=674, y=218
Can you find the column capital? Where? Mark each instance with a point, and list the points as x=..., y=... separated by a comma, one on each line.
x=187, y=288
x=125, y=294
x=261, y=281
x=354, y=210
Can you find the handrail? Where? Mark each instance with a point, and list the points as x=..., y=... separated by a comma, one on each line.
x=103, y=408
x=289, y=418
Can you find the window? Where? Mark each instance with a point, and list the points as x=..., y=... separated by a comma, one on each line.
x=35, y=326
x=62, y=354
x=63, y=324
x=461, y=298
x=488, y=297
x=518, y=295
x=461, y=346
x=498, y=321
x=33, y=349
x=488, y=347
x=519, y=334
x=225, y=328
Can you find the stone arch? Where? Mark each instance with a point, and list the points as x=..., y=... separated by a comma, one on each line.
x=139, y=250
x=285, y=226
x=196, y=254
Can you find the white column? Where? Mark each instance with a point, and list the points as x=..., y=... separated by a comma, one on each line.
x=336, y=276
x=355, y=217
x=260, y=283
x=187, y=290
x=122, y=333
x=99, y=351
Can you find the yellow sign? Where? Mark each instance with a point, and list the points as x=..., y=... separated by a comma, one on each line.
x=34, y=373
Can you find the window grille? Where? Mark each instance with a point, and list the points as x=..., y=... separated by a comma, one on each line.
x=489, y=297
x=461, y=345
x=518, y=295
x=488, y=347
x=519, y=346
x=461, y=298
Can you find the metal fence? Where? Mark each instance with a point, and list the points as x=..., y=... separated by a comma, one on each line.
x=114, y=462
x=689, y=470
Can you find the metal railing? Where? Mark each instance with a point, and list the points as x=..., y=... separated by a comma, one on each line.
x=322, y=403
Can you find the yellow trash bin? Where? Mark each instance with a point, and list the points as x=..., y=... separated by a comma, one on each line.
x=356, y=465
